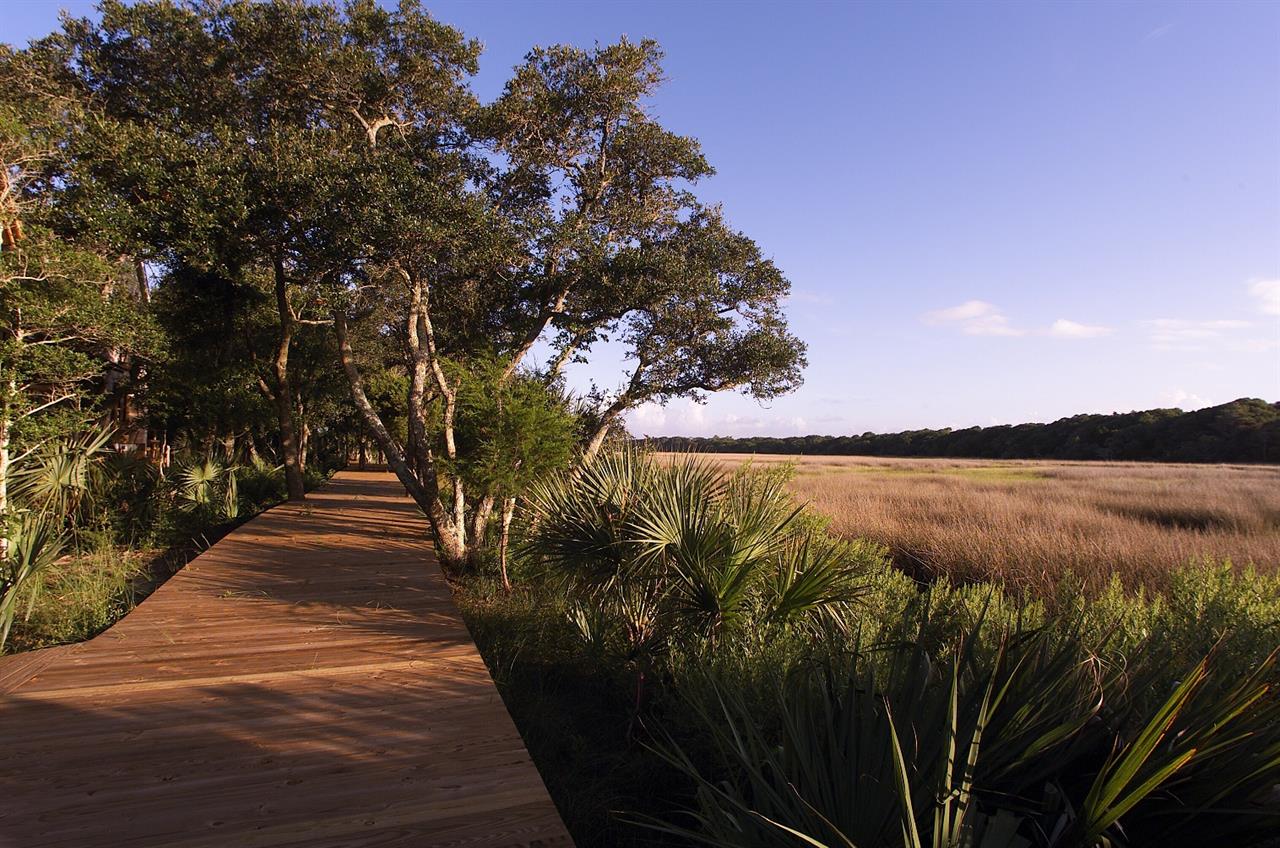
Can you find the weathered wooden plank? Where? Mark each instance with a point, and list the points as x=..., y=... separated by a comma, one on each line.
x=304, y=682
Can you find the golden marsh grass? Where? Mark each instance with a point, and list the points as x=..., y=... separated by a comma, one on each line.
x=1028, y=522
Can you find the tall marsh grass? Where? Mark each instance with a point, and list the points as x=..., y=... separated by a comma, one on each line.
x=1029, y=523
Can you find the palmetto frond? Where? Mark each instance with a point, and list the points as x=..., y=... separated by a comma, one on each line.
x=710, y=550
x=35, y=543
x=209, y=484
x=57, y=478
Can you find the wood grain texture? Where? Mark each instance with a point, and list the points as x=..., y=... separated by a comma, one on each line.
x=306, y=681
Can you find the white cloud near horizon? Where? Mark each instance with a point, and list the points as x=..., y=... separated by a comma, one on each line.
x=1268, y=294
x=1184, y=400
x=685, y=417
x=1065, y=329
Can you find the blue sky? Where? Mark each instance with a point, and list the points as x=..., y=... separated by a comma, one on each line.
x=990, y=213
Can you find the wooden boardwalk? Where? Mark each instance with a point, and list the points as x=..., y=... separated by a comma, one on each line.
x=307, y=681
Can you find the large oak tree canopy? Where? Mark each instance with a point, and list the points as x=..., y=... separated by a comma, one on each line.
x=337, y=156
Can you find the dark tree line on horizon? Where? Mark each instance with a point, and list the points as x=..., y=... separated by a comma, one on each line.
x=1244, y=430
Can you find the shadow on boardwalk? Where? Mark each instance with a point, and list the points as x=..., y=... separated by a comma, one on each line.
x=306, y=681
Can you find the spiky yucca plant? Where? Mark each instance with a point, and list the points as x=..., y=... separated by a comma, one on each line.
x=1041, y=745
x=36, y=541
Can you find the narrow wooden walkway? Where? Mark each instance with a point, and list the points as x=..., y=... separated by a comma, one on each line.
x=305, y=682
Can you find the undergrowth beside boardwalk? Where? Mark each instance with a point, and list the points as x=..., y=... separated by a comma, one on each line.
x=645, y=662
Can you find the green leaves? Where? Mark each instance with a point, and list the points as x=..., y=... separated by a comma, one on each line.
x=895, y=746
x=208, y=486
x=706, y=554
x=34, y=543
x=48, y=489
x=56, y=479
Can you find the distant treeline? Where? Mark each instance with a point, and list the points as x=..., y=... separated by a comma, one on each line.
x=1245, y=430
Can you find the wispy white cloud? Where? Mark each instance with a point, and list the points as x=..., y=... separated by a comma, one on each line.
x=1268, y=294
x=980, y=318
x=1065, y=329
x=966, y=311
x=810, y=298
x=1158, y=32
x=687, y=418
x=1184, y=334
x=1256, y=345
x=975, y=318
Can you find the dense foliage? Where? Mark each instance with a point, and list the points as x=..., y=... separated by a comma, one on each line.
x=286, y=231
x=643, y=661
x=1245, y=430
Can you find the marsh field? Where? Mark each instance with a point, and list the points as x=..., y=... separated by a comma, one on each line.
x=1027, y=522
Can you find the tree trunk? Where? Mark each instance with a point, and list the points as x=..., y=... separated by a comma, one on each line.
x=424, y=490
x=304, y=447
x=508, y=511
x=144, y=286
x=4, y=483
x=289, y=445
x=602, y=432
x=480, y=519
x=620, y=405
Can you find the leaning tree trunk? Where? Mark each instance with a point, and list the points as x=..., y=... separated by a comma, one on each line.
x=597, y=440
x=424, y=489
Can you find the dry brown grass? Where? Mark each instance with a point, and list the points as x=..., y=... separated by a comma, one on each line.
x=1028, y=522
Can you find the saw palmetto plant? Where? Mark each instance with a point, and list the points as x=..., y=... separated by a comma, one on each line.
x=49, y=489
x=208, y=486
x=58, y=479
x=681, y=552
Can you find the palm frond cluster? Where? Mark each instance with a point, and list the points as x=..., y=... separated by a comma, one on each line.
x=659, y=553
x=49, y=489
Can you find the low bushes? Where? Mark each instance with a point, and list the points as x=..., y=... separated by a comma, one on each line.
x=650, y=633
x=1042, y=743
x=680, y=556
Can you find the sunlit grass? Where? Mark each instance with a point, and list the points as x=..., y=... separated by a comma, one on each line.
x=1029, y=522
x=78, y=598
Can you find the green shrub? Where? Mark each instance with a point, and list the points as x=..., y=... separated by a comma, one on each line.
x=951, y=713
x=1040, y=743
x=662, y=556
x=262, y=485
x=78, y=598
